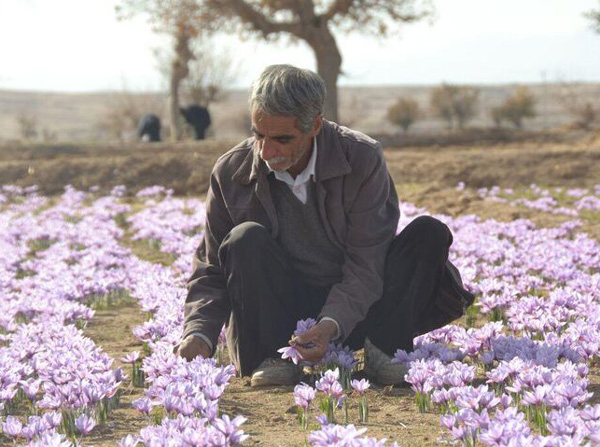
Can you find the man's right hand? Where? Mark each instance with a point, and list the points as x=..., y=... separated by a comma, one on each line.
x=191, y=347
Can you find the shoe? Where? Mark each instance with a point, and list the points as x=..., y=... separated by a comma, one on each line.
x=276, y=372
x=379, y=367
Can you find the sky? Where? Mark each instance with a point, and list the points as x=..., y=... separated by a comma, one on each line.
x=79, y=46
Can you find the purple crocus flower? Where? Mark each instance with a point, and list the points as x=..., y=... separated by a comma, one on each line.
x=132, y=357
x=290, y=352
x=84, y=424
x=304, y=395
x=35, y=426
x=53, y=419
x=128, y=441
x=12, y=426
x=322, y=419
x=303, y=326
x=143, y=405
x=360, y=386
x=31, y=387
x=330, y=435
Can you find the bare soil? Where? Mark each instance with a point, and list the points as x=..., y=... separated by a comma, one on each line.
x=111, y=330
x=186, y=167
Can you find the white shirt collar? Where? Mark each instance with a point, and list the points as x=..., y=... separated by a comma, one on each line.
x=304, y=176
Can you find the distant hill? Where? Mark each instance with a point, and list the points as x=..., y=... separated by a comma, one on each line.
x=79, y=117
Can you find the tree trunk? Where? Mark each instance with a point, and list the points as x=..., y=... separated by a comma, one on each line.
x=174, y=114
x=179, y=71
x=329, y=62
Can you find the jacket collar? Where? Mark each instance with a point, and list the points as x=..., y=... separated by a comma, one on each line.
x=331, y=160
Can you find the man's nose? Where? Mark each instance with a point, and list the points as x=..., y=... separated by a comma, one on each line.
x=267, y=149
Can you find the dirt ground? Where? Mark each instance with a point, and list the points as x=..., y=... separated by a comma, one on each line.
x=186, y=166
x=424, y=176
x=111, y=329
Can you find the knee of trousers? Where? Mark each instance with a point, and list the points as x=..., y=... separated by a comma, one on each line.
x=431, y=232
x=243, y=242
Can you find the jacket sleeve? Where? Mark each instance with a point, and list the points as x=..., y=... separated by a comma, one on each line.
x=372, y=222
x=207, y=305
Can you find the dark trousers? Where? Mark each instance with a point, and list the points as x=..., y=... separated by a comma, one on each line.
x=267, y=297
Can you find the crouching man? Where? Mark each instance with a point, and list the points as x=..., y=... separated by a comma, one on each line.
x=301, y=222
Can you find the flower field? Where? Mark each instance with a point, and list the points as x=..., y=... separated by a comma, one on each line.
x=520, y=369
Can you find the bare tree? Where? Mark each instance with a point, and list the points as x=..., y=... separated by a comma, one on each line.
x=210, y=74
x=516, y=107
x=594, y=16
x=455, y=104
x=183, y=20
x=316, y=22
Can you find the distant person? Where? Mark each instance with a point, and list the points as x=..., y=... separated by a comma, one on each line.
x=149, y=128
x=198, y=118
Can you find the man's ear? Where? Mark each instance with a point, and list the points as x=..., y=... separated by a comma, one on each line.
x=318, y=125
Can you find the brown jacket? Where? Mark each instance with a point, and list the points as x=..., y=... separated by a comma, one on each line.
x=357, y=202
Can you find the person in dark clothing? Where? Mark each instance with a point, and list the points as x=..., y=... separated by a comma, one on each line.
x=149, y=128
x=301, y=222
x=198, y=118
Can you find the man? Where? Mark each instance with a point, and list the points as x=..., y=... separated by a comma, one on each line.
x=149, y=128
x=198, y=118
x=301, y=222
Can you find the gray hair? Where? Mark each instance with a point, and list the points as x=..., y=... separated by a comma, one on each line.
x=285, y=90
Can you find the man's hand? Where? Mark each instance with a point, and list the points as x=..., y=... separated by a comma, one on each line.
x=191, y=347
x=317, y=339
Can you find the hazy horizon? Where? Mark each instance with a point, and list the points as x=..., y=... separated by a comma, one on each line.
x=343, y=86
x=477, y=42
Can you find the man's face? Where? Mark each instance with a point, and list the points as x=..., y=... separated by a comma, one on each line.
x=281, y=144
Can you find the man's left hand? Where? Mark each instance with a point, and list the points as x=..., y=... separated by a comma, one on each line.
x=312, y=345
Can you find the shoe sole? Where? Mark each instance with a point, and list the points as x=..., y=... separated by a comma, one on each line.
x=258, y=380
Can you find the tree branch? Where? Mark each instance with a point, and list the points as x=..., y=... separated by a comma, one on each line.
x=594, y=16
x=339, y=7
x=257, y=20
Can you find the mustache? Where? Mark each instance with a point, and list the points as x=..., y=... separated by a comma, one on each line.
x=275, y=160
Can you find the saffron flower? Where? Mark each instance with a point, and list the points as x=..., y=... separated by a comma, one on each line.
x=84, y=424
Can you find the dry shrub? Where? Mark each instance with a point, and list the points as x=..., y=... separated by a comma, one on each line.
x=124, y=112
x=28, y=126
x=404, y=113
x=49, y=136
x=517, y=107
x=584, y=113
x=456, y=105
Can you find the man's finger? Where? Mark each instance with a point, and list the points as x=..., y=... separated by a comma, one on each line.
x=311, y=354
x=298, y=341
x=308, y=348
x=302, y=339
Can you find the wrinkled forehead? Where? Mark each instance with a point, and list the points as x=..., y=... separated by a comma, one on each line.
x=274, y=124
